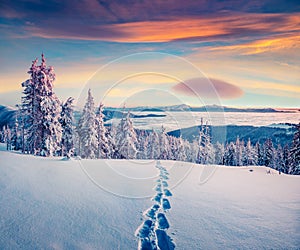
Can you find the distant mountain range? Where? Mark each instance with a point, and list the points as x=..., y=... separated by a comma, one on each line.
x=208, y=108
x=7, y=114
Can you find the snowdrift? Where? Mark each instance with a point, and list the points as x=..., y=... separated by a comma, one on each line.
x=99, y=204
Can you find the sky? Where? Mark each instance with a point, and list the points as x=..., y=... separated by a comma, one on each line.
x=159, y=52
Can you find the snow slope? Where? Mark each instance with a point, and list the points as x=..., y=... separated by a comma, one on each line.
x=98, y=204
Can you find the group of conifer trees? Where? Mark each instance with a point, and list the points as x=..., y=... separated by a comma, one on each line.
x=46, y=127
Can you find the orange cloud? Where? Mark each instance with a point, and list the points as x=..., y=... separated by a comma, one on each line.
x=164, y=31
x=220, y=26
x=210, y=27
x=262, y=46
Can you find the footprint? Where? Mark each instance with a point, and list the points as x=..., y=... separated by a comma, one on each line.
x=165, y=184
x=167, y=192
x=150, y=212
x=163, y=176
x=144, y=229
x=164, y=241
x=158, y=188
x=157, y=197
x=166, y=204
x=162, y=221
x=145, y=244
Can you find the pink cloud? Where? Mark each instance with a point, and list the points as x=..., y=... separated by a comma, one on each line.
x=208, y=88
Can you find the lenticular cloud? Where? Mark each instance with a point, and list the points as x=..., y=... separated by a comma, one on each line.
x=209, y=88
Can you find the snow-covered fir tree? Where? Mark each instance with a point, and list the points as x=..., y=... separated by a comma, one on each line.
x=112, y=142
x=164, y=146
x=189, y=152
x=239, y=145
x=126, y=138
x=209, y=152
x=219, y=153
x=50, y=109
x=2, y=134
x=29, y=106
x=7, y=137
x=180, y=152
x=103, y=144
x=87, y=131
x=20, y=129
x=286, y=158
x=173, y=145
x=201, y=144
x=42, y=109
x=67, y=121
x=249, y=155
x=294, y=156
x=16, y=133
x=259, y=153
x=279, y=159
x=230, y=155
x=269, y=153
x=152, y=150
x=142, y=145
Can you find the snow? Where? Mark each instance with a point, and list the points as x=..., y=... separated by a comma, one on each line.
x=100, y=204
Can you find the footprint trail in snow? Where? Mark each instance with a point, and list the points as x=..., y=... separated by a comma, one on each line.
x=152, y=233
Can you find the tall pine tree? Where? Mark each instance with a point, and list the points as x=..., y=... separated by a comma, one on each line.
x=41, y=108
x=67, y=120
x=126, y=138
x=103, y=145
x=294, y=157
x=87, y=132
x=269, y=153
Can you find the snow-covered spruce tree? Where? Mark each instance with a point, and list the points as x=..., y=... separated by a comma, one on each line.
x=286, y=158
x=259, y=153
x=152, y=150
x=126, y=138
x=279, y=159
x=249, y=155
x=294, y=157
x=239, y=146
x=20, y=130
x=67, y=120
x=103, y=150
x=269, y=153
x=206, y=151
x=42, y=108
x=164, y=146
x=50, y=109
x=219, y=153
x=111, y=133
x=230, y=154
x=189, y=152
x=173, y=148
x=142, y=144
x=29, y=107
x=16, y=133
x=201, y=145
x=180, y=152
x=87, y=132
x=209, y=155
x=7, y=137
x=2, y=134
